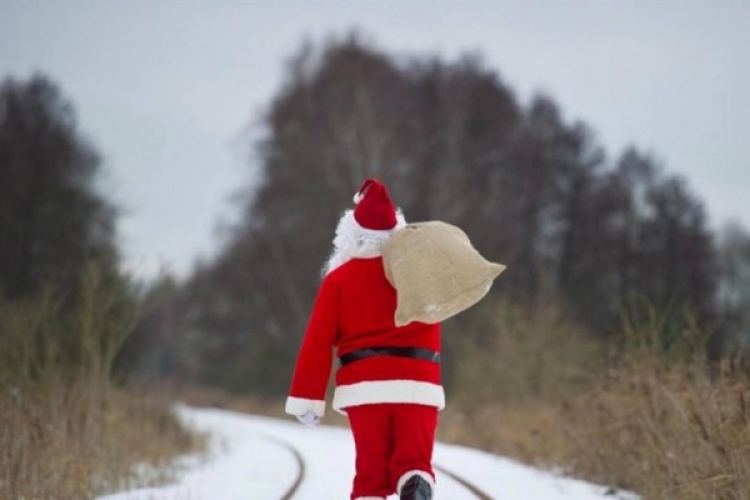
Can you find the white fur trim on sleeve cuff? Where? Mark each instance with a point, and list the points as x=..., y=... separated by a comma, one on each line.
x=300, y=406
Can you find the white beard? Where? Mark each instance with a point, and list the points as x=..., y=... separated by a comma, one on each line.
x=352, y=241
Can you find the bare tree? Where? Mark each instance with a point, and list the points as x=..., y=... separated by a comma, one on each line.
x=452, y=143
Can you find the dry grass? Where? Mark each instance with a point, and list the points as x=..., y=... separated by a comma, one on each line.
x=66, y=432
x=668, y=432
x=505, y=353
x=659, y=421
x=530, y=431
x=67, y=439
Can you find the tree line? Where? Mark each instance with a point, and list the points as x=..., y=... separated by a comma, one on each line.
x=453, y=143
x=575, y=226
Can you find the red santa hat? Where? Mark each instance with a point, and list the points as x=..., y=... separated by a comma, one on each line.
x=374, y=210
x=361, y=231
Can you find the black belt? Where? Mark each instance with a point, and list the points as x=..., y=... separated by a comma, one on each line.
x=404, y=352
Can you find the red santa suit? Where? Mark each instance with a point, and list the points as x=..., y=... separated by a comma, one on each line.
x=389, y=379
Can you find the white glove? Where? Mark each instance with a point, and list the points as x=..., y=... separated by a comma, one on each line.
x=309, y=419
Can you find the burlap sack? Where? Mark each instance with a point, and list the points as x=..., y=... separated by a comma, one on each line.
x=436, y=272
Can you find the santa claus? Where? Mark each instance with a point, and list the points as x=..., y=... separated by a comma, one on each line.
x=388, y=377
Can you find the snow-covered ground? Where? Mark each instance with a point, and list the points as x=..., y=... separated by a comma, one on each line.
x=253, y=458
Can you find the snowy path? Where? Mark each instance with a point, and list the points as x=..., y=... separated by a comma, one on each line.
x=255, y=458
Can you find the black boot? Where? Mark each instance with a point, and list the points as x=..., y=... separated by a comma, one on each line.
x=416, y=488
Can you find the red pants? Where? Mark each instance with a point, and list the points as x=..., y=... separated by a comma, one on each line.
x=391, y=440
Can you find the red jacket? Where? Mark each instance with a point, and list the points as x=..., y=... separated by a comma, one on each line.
x=355, y=309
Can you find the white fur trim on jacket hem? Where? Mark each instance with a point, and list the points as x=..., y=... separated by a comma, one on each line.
x=300, y=406
x=388, y=391
x=424, y=475
x=370, y=498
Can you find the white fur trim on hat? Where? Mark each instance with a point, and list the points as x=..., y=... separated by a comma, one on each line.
x=388, y=391
x=300, y=406
x=408, y=475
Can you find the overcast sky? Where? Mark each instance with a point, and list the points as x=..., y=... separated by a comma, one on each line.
x=165, y=90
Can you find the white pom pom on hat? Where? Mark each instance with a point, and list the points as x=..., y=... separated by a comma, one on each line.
x=375, y=209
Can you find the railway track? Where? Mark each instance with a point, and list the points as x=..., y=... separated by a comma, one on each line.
x=291, y=492
x=468, y=485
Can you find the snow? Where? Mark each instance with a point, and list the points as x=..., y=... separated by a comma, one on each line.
x=253, y=458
